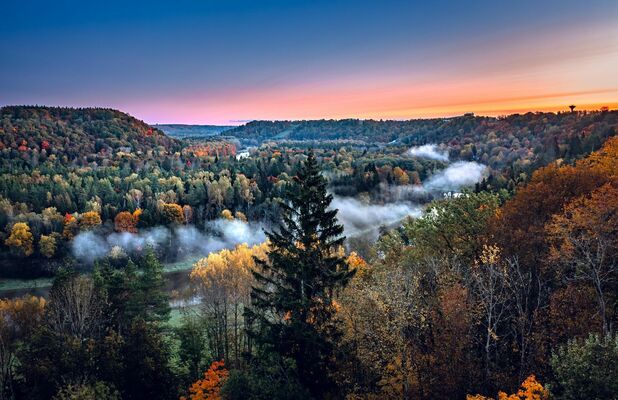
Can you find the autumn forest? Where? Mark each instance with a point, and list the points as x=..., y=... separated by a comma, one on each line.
x=451, y=258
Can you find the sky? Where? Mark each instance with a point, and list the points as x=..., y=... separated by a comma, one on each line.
x=231, y=61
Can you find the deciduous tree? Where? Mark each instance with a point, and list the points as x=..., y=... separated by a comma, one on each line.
x=586, y=369
x=172, y=213
x=89, y=220
x=224, y=281
x=21, y=239
x=209, y=388
x=47, y=245
x=584, y=240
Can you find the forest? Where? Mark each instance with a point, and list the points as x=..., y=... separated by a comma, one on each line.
x=459, y=258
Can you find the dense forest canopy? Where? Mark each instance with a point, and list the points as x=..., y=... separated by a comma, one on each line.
x=183, y=131
x=60, y=164
x=76, y=133
x=538, y=128
x=480, y=258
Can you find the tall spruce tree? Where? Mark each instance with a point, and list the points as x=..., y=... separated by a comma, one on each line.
x=292, y=306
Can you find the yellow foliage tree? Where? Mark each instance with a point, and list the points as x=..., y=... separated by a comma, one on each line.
x=21, y=239
x=604, y=159
x=224, y=280
x=227, y=214
x=89, y=220
x=240, y=216
x=22, y=313
x=47, y=245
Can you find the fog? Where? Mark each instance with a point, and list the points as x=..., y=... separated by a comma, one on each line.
x=360, y=218
x=222, y=233
x=455, y=176
x=398, y=202
x=430, y=151
x=357, y=217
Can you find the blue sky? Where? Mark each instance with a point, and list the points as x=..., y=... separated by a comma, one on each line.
x=216, y=61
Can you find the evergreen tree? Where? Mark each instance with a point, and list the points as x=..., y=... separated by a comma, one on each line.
x=147, y=373
x=154, y=299
x=135, y=291
x=292, y=307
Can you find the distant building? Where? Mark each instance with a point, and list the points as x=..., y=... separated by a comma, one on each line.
x=469, y=114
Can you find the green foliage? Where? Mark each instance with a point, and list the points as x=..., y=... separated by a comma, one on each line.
x=586, y=369
x=494, y=141
x=59, y=160
x=153, y=299
x=135, y=291
x=192, y=348
x=102, y=329
x=76, y=133
x=268, y=377
x=147, y=373
x=293, y=307
x=96, y=391
x=451, y=227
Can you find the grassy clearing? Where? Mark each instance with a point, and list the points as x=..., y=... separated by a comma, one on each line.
x=183, y=265
x=176, y=314
x=22, y=284
x=25, y=284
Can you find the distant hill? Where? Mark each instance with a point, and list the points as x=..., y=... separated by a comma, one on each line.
x=181, y=131
x=30, y=134
x=561, y=126
x=33, y=132
x=530, y=139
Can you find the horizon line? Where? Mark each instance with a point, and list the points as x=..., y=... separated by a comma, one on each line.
x=593, y=107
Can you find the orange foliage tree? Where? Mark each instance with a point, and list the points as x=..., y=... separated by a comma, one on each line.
x=172, y=213
x=126, y=221
x=401, y=177
x=70, y=228
x=358, y=264
x=584, y=240
x=520, y=227
x=209, y=388
x=530, y=389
